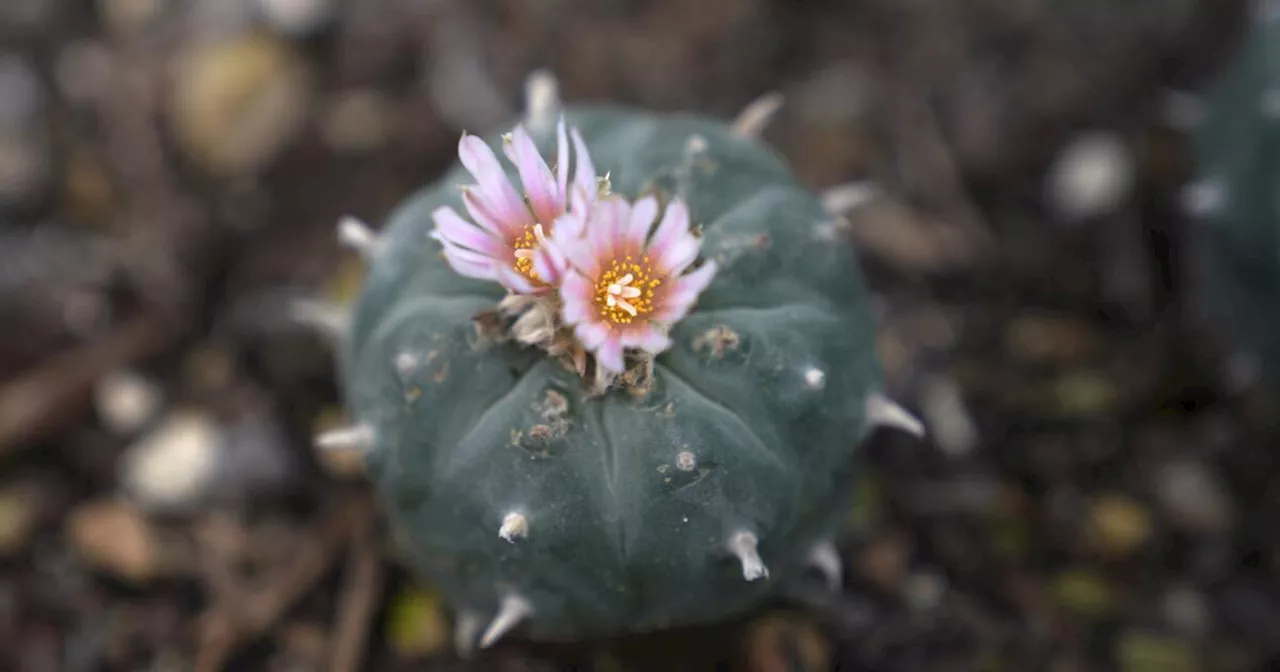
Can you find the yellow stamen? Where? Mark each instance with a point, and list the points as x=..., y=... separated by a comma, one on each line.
x=525, y=247
x=625, y=290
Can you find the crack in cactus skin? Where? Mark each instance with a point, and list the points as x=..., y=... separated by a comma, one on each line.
x=1238, y=156
x=620, y=537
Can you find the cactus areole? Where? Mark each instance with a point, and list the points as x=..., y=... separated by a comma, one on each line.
x=614, y=400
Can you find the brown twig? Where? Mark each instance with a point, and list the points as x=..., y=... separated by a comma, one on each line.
x=59, y=389
x=359, y=600
x=248, y=610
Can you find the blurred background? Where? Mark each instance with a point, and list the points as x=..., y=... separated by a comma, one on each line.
x=1098, y=490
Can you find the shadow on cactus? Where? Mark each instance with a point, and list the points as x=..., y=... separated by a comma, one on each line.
x=611, y=374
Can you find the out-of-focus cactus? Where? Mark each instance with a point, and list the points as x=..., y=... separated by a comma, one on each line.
x=620, y=392
x=1238, y=193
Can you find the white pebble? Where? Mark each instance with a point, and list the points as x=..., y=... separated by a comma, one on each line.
x=1091, y=176
x=126, y=401
x=944, y=410
x=1193, y=497
x=296, y=17
x=172, y=467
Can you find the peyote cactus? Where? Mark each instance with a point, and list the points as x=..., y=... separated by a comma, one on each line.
x=1238, y=157
x=615, y=400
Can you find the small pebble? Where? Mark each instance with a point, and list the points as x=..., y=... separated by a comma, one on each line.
x=128, y=17
x=20, y=505
x=253, y=458
x=945, y=413
x=1184, y=608
x=237, y=103
x=924, y=591
x=26, y=166
x=358, y=121
x=126, y=401
x=416, y=625
x=82, y=71
x=21, y=94
x=296, y=18
x=1138, y=651
x=1119, y=524
x=24, y=15
x=1193, y=497
x=173, y=466
x=884, y=562
x=1091, y=176
x=113, y=536
x=787, y=643
x=1083, y=593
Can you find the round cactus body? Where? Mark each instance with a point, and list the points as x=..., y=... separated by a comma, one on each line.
x=1238, y=158
x=535, y=487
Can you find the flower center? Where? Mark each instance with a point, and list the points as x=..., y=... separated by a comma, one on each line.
x=525, y=246
x=625, y=290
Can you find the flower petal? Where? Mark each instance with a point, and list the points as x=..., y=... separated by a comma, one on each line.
x=471, y=270
x=494, y=189
x=592, y=334
x=568, y=235
x=672, y=231
x=648, y=337
x=608, y=217
x=513, y=280
x=478, y=208
x=638, y=224
x=539, y=183
x=609, y=354
x=451, y=227
x=676, y=258
x=549, y=263
x=584, y=174
x=680, y=297
x=575, y=295
x=562, y=160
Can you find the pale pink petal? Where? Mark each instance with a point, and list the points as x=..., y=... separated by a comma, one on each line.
x=592, y=334
x=500, y=199
x=451, y=227
x=513, y=280
x=648, y=337
x=638, y=224
x=676, y=258
x=674, y=225
x=609, y=354
x=568, y=227
x=549, y=263
x=608, y=217
x=678, y=299
x=539, y=183
x=576, y=295
x=562, y=160
x=576, y=247
x=584, y=174
x=580, y=198
x=478, y=208
x=480, y=271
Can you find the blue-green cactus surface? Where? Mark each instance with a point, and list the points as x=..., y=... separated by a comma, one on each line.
x=1238, y=159
x=633, y=509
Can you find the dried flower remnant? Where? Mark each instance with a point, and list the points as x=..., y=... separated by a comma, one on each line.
x=623, y=289
x=507, y=238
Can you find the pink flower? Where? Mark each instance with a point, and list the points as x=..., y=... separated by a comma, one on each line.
x=506, y=237
x=623, y=289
